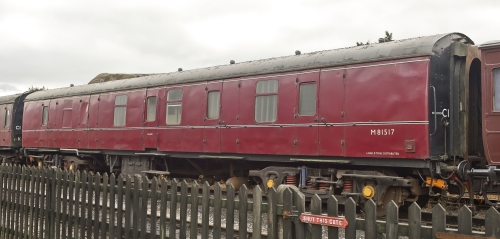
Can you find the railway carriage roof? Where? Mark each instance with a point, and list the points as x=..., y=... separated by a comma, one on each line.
x=413, y=47
x=8, y=99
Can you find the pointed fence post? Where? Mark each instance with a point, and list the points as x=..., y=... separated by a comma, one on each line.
x=217, y=211
x=272, y=201
x=492, y=220
x=465, y=221
x=414, y=221
x=438, y=220
x=392, y=215
x=205, y=211
x=333, y=211
x=230, y=211
x=370, y=220
x=350, y=216
x=316, y=210
x=257, y=203
x=172, y=228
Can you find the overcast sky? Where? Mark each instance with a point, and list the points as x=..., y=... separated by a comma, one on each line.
x=58, y=43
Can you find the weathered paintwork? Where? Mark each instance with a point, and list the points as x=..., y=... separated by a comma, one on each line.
x=490, y=55
x=6, y=135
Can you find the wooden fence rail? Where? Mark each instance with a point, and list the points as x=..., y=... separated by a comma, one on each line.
x=52, y=203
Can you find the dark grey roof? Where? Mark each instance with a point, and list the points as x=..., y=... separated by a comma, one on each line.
x=490, y=44
x=8, y=99
x=420, y=46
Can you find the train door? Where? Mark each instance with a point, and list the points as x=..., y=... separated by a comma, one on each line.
x=150, y=138
x=306, y=114
x=212, y=125
x=331, y=112
x=92, y=123
x=83, y=125
x=229, y=116
x=490, y=55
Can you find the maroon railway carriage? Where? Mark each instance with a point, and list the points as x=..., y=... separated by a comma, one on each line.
x=11, y=114
x=363, y=122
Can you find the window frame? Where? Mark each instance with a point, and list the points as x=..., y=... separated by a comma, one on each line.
x=257, y=95
x=208, y=103
x=45, y=112
x=315, y=98
x=155, y=108
x=120, y=105
x=8, y=118
x=171, y=103
x=493, y=89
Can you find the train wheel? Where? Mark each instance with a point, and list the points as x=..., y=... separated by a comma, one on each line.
x=392, y=194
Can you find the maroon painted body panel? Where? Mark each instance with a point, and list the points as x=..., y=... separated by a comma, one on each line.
x=491, y=118
x=352, y=117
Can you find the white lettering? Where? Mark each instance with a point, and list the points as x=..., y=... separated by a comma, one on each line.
x=382, y=131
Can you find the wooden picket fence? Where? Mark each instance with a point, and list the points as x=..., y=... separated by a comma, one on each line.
x=52, y=203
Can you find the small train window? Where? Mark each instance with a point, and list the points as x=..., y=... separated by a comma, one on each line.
x=7, y=118
x=266, y=101
x=307, y=99
x=213, y=104
x=120, y=115
x=496, y=89
x=151, y=109
x=174, y=106
x=45, y=115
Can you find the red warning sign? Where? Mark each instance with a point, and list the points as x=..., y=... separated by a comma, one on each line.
x=339, y=222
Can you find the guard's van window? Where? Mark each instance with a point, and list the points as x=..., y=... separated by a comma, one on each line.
x=7, y=118
x=496, y=92
x=45, y=115
x=174, y=106
x=307, y=99
x=120, y=110
x=213, y=105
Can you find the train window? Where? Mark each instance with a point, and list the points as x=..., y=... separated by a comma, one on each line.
x=307, y=99
x=120, y=115
x=213, y=104
x=45, y=115
x=151, y=109
x=174, y=106
x=266, y=101
x=7, y=118
x=496, y=92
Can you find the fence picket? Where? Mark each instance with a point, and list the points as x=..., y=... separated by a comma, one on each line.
x=76, y=204
x=112, y=205
x=333, y=211
x=183, y=208
x=9, y=200
x=64, y=189
x=287, y=208
x=22, y=208
x=272, y=215
x=438, y=220
x=350, y=216
x=82, y=198
x=173, y=209
x=44, y=208
x=194, y=210
x=465, y=221
x=242, y=210
x=230, y=211
x=136, y=218
x=144, y=207
x=370, y=220
x=163, y=209
x=128, y=206
x=90, y=193
x=257, y=216
x=104, y=208
x=492, y=220
x=414, y=221
x=119, y=206
x=71, y=203
x=392, y=220
x=217, y=211
x=205, y=210
x=154, y=208
x=316, y=231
